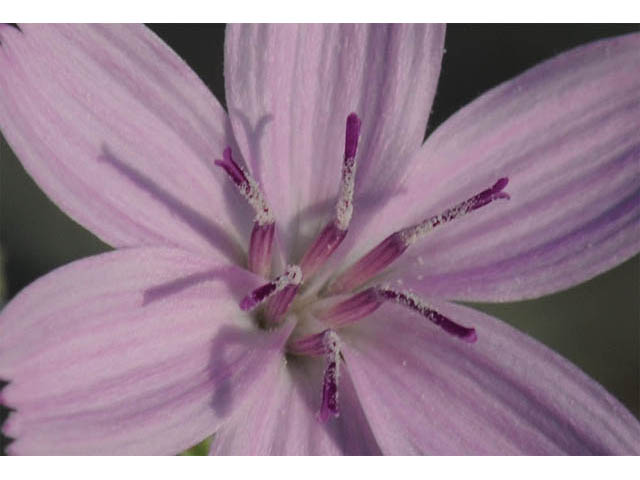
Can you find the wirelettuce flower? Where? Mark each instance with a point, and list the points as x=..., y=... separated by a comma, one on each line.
x=283, y=273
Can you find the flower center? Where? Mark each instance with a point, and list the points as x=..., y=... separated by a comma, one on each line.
x=338, y=303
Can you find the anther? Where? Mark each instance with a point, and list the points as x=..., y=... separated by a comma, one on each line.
x=326, y=343
x=335, y=231
x=349, y=310
x=291, y=278
x=392, y=247
x=366, y=302
x=263, y=226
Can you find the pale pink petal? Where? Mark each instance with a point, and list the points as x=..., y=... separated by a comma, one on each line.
x=425, y=392
x=567, y=135
x=281, y=418
x=289, y=91
x=138, y=351
x=120, y=133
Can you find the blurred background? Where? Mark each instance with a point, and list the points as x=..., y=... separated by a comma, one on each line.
x=595, y=325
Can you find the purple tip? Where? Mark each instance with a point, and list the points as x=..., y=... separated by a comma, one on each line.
x=500, y=184
x=232, y=168
x=471, y=337
x=352, y=136
x=463, y=333
x=496, y=190
x=490, y=194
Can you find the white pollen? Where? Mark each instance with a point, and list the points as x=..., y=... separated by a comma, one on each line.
x=410, y=300
x=412, y=234
x=292, y=276
x=254, y=196
x=344, y=207
x=331, y=344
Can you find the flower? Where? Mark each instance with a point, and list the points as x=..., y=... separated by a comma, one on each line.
x=262, y=318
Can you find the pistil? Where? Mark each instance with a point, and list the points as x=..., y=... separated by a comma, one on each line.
x=261, y=242
x=392, y=247
x=335, y=231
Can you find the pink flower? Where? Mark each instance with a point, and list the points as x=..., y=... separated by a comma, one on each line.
x=243, y=298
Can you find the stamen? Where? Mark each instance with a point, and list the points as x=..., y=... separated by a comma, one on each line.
x=350, y=310
x=260, y=248
x=292, y=277
x=325, y=343
x=335, y=231
x=395, y=244
x=419, y=231
x=368, y=301
x=368, y=266
x=263, y=226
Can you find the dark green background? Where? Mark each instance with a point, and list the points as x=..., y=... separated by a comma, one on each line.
x=594, y=325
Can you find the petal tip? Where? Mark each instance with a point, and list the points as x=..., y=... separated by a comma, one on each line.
x=11, y=450
x=12, y=427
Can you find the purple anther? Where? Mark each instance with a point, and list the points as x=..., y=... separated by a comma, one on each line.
x=352, y=309
x=311, y=345
x=260, y=248
x=352, y=136
x=280, y=302
x=372, y=263
x=414, y=303
x=233, y=169
x=258, y=296
x=280, y=289
x=324, y=245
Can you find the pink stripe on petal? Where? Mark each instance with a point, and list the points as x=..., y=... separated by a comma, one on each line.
x=138, y=351
x=426, y=393
x=120, y=133
x=567, y=135
x=289, y=89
